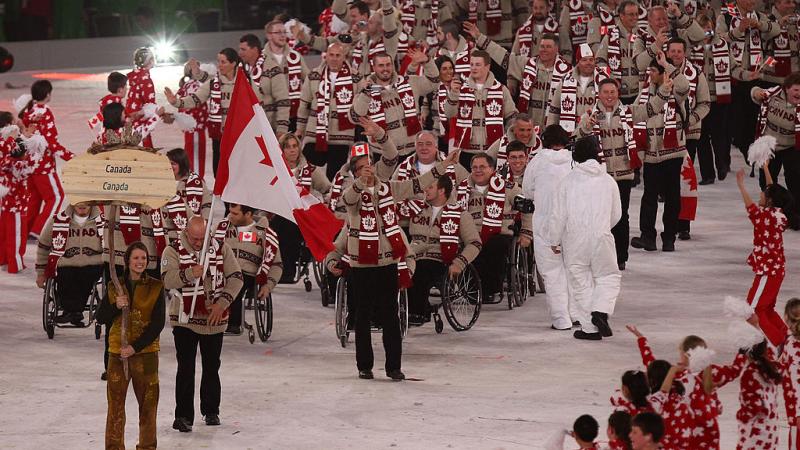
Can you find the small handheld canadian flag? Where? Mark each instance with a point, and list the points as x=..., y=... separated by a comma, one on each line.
x=359, y=150
x=96, y=123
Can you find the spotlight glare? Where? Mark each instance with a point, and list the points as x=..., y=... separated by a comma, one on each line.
x=164, y=52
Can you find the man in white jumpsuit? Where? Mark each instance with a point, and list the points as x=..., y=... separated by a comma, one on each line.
x=584, y=210
x=541, y=180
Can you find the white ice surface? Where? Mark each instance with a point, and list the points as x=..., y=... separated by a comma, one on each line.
x=507, y=383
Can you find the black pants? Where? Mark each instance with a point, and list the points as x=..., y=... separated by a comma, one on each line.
x=186, y=343
x=491, y=262
x=375, y=289
x=215, y=150
x=334, y=158
x=789, y=161
x=289, y=243
x=293, y=126
x=714, y=149
x=236, y=309
x=427, y=274
x=746, y=110
x=662, y=178
x=622, y=230
x=74, y=285
x=627, y=100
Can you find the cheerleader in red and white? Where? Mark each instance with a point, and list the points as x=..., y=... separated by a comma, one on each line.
x=194, y=140
x=618, y=431
x=770, y=218
x=790, y=368
x=700, y=385
x=758, y=401
x=669, y=401
x=141, y=90
x=632, y=396
x=46, y=193
x=16, y=167
x=117, y=87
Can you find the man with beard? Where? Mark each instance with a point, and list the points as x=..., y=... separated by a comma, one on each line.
x=540, y=22
x=390, y=100
x=453, y=45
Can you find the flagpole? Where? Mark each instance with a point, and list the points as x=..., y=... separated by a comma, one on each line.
x=183, y=318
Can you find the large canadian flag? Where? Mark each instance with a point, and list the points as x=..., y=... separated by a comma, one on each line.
x=252, y=172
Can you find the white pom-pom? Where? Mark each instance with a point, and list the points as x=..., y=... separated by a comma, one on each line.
x=700, y=358
x=287, y=27
x=761, y=151
x=210, y=69
x=736, y=307
x=744, y=335
x=35, y=146
x=22, y=101
x=3, y=190
x=184, y=122
x=556, y=440
x=149, y=110
x=338, y=25
x=7, y=130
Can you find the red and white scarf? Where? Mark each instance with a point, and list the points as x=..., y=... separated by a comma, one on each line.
x=192, y=196
x=460, y=59
x=60, y=236
x=294, y=77
x=408, y=170
x=782, y=52
x=697, y=56
x=408, y=13
x=568, y=117
x=337, y=186
x=502, y=152
x=670, y=122
x=369, y=236
x=256, y=71
x=216, y=270
x=449, y=227
x=494, y=202
x=578, y=23
x=626, y=120
x=377, y=107
x=614, y=51
x=269, y=245
x=691, y=73
x=493, y=17
x=764, y=112
x=375, y=47
x=525, y=34
x=130, y=226
x=344, y=92
x=304, y=178
x=561, y=69
x=492, y=112
x=215, y=109
x=753, y=37
x=722, y=70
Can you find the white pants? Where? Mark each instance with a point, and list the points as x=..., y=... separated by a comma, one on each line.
x=553, y=271
x=594, y=279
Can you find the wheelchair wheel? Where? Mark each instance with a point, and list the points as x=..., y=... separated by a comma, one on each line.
x=462, y=298
x=521, y=264
x=438, y=325
x=319, y=273
x=402, y=311
x=341, y=311
x=94, y=301
x=49, y=308
x=263, y=311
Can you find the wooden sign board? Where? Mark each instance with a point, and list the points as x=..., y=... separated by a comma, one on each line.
x=127, y=175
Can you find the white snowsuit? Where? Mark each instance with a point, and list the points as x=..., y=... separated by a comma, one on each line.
x=540, y=183
x=585, y=208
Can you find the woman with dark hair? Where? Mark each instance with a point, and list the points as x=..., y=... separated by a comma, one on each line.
x=192, y=198
x=432, y=109
x=586, y=207
x=45, y=185
x=119, y=128
x=216, y=90
x=144, y=295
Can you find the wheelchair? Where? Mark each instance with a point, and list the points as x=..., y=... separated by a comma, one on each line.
x=51, y=308
x=304, y=259
x=320, y=278
x=460, y=298
x=262, y=310
x=345, y=326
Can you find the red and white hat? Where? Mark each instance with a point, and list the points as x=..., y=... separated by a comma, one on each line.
x=359, y=149
x=584, y=51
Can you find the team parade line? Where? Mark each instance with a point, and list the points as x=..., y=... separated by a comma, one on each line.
x=445, y=161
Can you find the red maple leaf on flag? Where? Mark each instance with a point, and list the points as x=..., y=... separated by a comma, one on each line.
x=688, y=174
x=267, y=161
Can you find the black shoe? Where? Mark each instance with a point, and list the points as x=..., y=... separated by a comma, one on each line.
x=668, y=246
x=580, y=334
x=104, y=376
x=707, y=182
x=417, y=319
x=365, y=374
x=640, y=242
x=600, y=320
x=660, y=198
x=621, y=266
x=65, y=318
x=723, y=173
x=181, y=425
x=395, y=375
x=684, y=236
x=212, y=420
x=576, y=324
x=234, y=330
x=489, y=299
x=76, y=319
